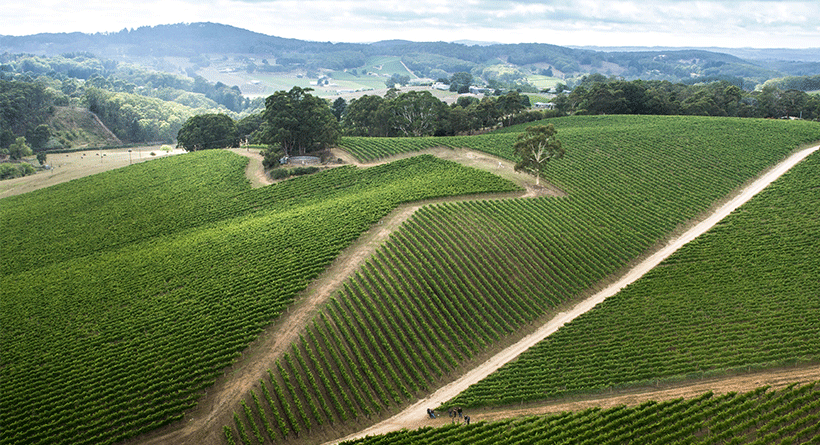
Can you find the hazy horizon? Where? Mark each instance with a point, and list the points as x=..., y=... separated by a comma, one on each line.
x=789, y=24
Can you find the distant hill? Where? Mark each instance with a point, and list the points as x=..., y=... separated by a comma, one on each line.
x=196, y=41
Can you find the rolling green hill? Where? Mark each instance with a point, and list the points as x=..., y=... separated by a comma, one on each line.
x=742, y=296
x=458, y=279
x=123, y=294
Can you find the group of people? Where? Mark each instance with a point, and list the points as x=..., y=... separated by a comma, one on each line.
x=454, y=413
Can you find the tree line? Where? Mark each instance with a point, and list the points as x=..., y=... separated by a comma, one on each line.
x=597, y=94
x=296, y=122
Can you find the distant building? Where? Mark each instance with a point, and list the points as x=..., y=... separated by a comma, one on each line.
x=544, y=106
x=441, y=86
x=480, y=90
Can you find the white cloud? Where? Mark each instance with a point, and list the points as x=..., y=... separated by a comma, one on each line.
x=755, y=23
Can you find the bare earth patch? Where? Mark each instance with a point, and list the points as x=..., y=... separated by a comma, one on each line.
x=78, y=164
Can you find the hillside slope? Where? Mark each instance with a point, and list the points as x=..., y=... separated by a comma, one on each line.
x=79, y=128
x=459, y=281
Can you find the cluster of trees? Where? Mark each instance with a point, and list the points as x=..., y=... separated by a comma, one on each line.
x=597, y=94
x=78, y=65
x=296, y=123
x=419, y=113
x=24, y=110
x=18, y=150
x=73, y=73
x=207, y=131
x=293, y=123
x=136, y=118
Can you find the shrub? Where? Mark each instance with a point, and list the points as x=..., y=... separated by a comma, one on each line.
x=279, y=173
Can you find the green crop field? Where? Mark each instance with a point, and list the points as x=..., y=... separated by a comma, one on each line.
x=123, y=294
x=458, y=277
x=744, y=295
x=790, y=415
x=679, y=132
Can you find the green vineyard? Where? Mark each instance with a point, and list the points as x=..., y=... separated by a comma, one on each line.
x=742, y=296
x=123, y=295
x=790, y=415
x=367, y=149
x=458, y=277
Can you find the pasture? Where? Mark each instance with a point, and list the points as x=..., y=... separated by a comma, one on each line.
x=77, y=164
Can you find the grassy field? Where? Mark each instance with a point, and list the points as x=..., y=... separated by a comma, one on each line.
x=369, y=79
x=81, y=163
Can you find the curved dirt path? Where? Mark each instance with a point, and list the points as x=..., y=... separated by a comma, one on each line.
x=254, y=171
x=203, y=424
x=415, y=413
x=775, y=379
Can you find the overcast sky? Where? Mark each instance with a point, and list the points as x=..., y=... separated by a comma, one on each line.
x=756, y=24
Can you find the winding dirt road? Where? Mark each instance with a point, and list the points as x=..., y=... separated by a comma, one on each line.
x=411, y=416
x=203, y=425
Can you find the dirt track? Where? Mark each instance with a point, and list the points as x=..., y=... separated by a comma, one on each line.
x=203, y=425
x=410, y=416
x=775, y=379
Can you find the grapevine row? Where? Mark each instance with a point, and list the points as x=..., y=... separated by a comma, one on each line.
x=457, y=277
x=741, y=297
x=119, y=338
x=762, y=416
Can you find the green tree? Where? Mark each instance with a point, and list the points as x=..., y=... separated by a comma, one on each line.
x=207, y=131
x=417, y=113
x=299, y=122
x=535, y=147
x=6, y=138
x=397, y=79
x=250, y=127
x=19, y=149
x=339, y=106
x=41, y=157
x=40, y=136
x=362, y=117
x=461, y=81
x=510, y=104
